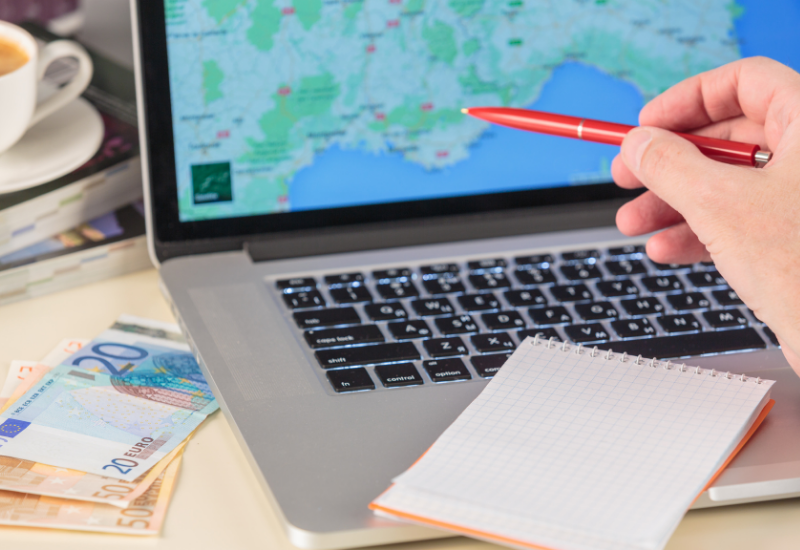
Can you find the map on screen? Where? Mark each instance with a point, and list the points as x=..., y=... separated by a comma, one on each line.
x=292, y=105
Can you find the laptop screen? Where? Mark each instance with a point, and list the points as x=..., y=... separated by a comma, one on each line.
x=291, y=106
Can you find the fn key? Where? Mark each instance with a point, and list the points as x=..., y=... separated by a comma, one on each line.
x=350, y=380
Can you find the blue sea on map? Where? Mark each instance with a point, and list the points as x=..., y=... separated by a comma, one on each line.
x=510, y=160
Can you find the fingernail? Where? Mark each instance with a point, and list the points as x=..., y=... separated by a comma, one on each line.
x=634, y=146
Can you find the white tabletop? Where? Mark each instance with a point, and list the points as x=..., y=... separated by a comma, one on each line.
x=217, y=502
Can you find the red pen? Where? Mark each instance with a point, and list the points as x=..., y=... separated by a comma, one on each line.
x=731, y=152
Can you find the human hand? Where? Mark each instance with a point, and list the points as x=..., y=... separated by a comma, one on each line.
x=746, y=220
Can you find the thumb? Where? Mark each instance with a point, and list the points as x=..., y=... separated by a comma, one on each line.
x=676, y=171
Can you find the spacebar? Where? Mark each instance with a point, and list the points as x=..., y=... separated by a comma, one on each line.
x=686, y=345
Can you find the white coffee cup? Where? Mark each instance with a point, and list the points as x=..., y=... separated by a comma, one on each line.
x=18, y=89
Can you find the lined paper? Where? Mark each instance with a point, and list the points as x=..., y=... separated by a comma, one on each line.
x=566, y=450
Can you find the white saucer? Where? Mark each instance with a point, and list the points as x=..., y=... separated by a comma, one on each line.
x=56, y=146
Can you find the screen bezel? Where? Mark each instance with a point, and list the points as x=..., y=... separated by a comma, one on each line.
x=231, y=233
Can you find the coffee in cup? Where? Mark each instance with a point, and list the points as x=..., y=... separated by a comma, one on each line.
x=22, y=67
x=12, y=56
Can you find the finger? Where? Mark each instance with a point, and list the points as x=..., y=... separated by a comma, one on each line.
x=680, y=174
x=751, y=87
x=645, y=214
x=677, y=245
x=622, y=176
x=739, y=129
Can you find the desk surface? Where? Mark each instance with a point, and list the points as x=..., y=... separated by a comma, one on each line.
x=217, y=502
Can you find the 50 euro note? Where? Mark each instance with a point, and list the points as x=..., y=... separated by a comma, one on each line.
x=115, y=408
x=144, y=516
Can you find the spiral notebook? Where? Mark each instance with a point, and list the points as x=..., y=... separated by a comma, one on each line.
x=573, y=448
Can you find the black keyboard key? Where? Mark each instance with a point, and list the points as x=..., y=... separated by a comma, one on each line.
x=642, y=306
x=326, y=317
x=489, y=264
x=724, y=318
x=390, y=311
x=304, y=298
x=461, y=324
x=674, y=324
x=533, y=260
x=496, y=341
x=408, y=330
x=670, y=267
x=688, y=300
x=447, y=370
x=571, y=293
x=503, y=320
x=397, y=289
x=444, y=285
x=479, y=302
x=663, y=283
x=593, y=332
x=531, y=297
x=343, y=279
x=488, y=365
x=489, y=280
x=580, y=272
x=596, y=310
x=366, y=355
x=392, y=274
x=350, y=380
x=727, y=297
x=298, y=283
x=615, y=289
x=439, y=270
x=555, y=315
x=703, y=279
x=771, y=335
x=626, y=250
x=580, y=255
x=626, y=267
x=544, y=334
x=398, y=374
x=686, y=345
x=433, y=306
x=633, y=328
x=535, y=276
x=442, y=347
x=333, y=337
x=351, y=294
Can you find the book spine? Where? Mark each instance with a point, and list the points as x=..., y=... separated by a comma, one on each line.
x=64, y=208
x=63, y=272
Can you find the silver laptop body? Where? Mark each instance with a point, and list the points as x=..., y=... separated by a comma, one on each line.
x=323, y=452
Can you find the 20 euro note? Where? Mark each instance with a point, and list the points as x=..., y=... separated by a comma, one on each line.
x=144, y=517
x=24, y=476
x=116, y=425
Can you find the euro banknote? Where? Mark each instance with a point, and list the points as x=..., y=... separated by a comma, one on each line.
x=144, y=516
x=115, y=408
x=16, y=374
x=25, y=476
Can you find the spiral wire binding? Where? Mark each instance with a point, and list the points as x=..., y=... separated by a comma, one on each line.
x=653, y=363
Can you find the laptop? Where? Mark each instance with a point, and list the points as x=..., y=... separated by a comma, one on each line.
x=352, y=259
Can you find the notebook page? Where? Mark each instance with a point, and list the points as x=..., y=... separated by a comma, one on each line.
x=600, y=449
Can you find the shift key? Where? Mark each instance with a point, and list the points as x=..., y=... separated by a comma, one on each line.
x=367, y=355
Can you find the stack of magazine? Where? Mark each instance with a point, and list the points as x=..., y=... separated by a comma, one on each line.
x=87, y=225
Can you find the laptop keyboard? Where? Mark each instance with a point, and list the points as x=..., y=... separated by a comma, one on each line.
x=447, y=322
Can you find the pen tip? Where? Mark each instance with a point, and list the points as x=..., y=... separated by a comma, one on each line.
x=465, y=111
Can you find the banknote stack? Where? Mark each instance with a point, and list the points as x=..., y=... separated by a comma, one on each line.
x=91, y=436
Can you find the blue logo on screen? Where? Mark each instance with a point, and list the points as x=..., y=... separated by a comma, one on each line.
x=12, y=427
